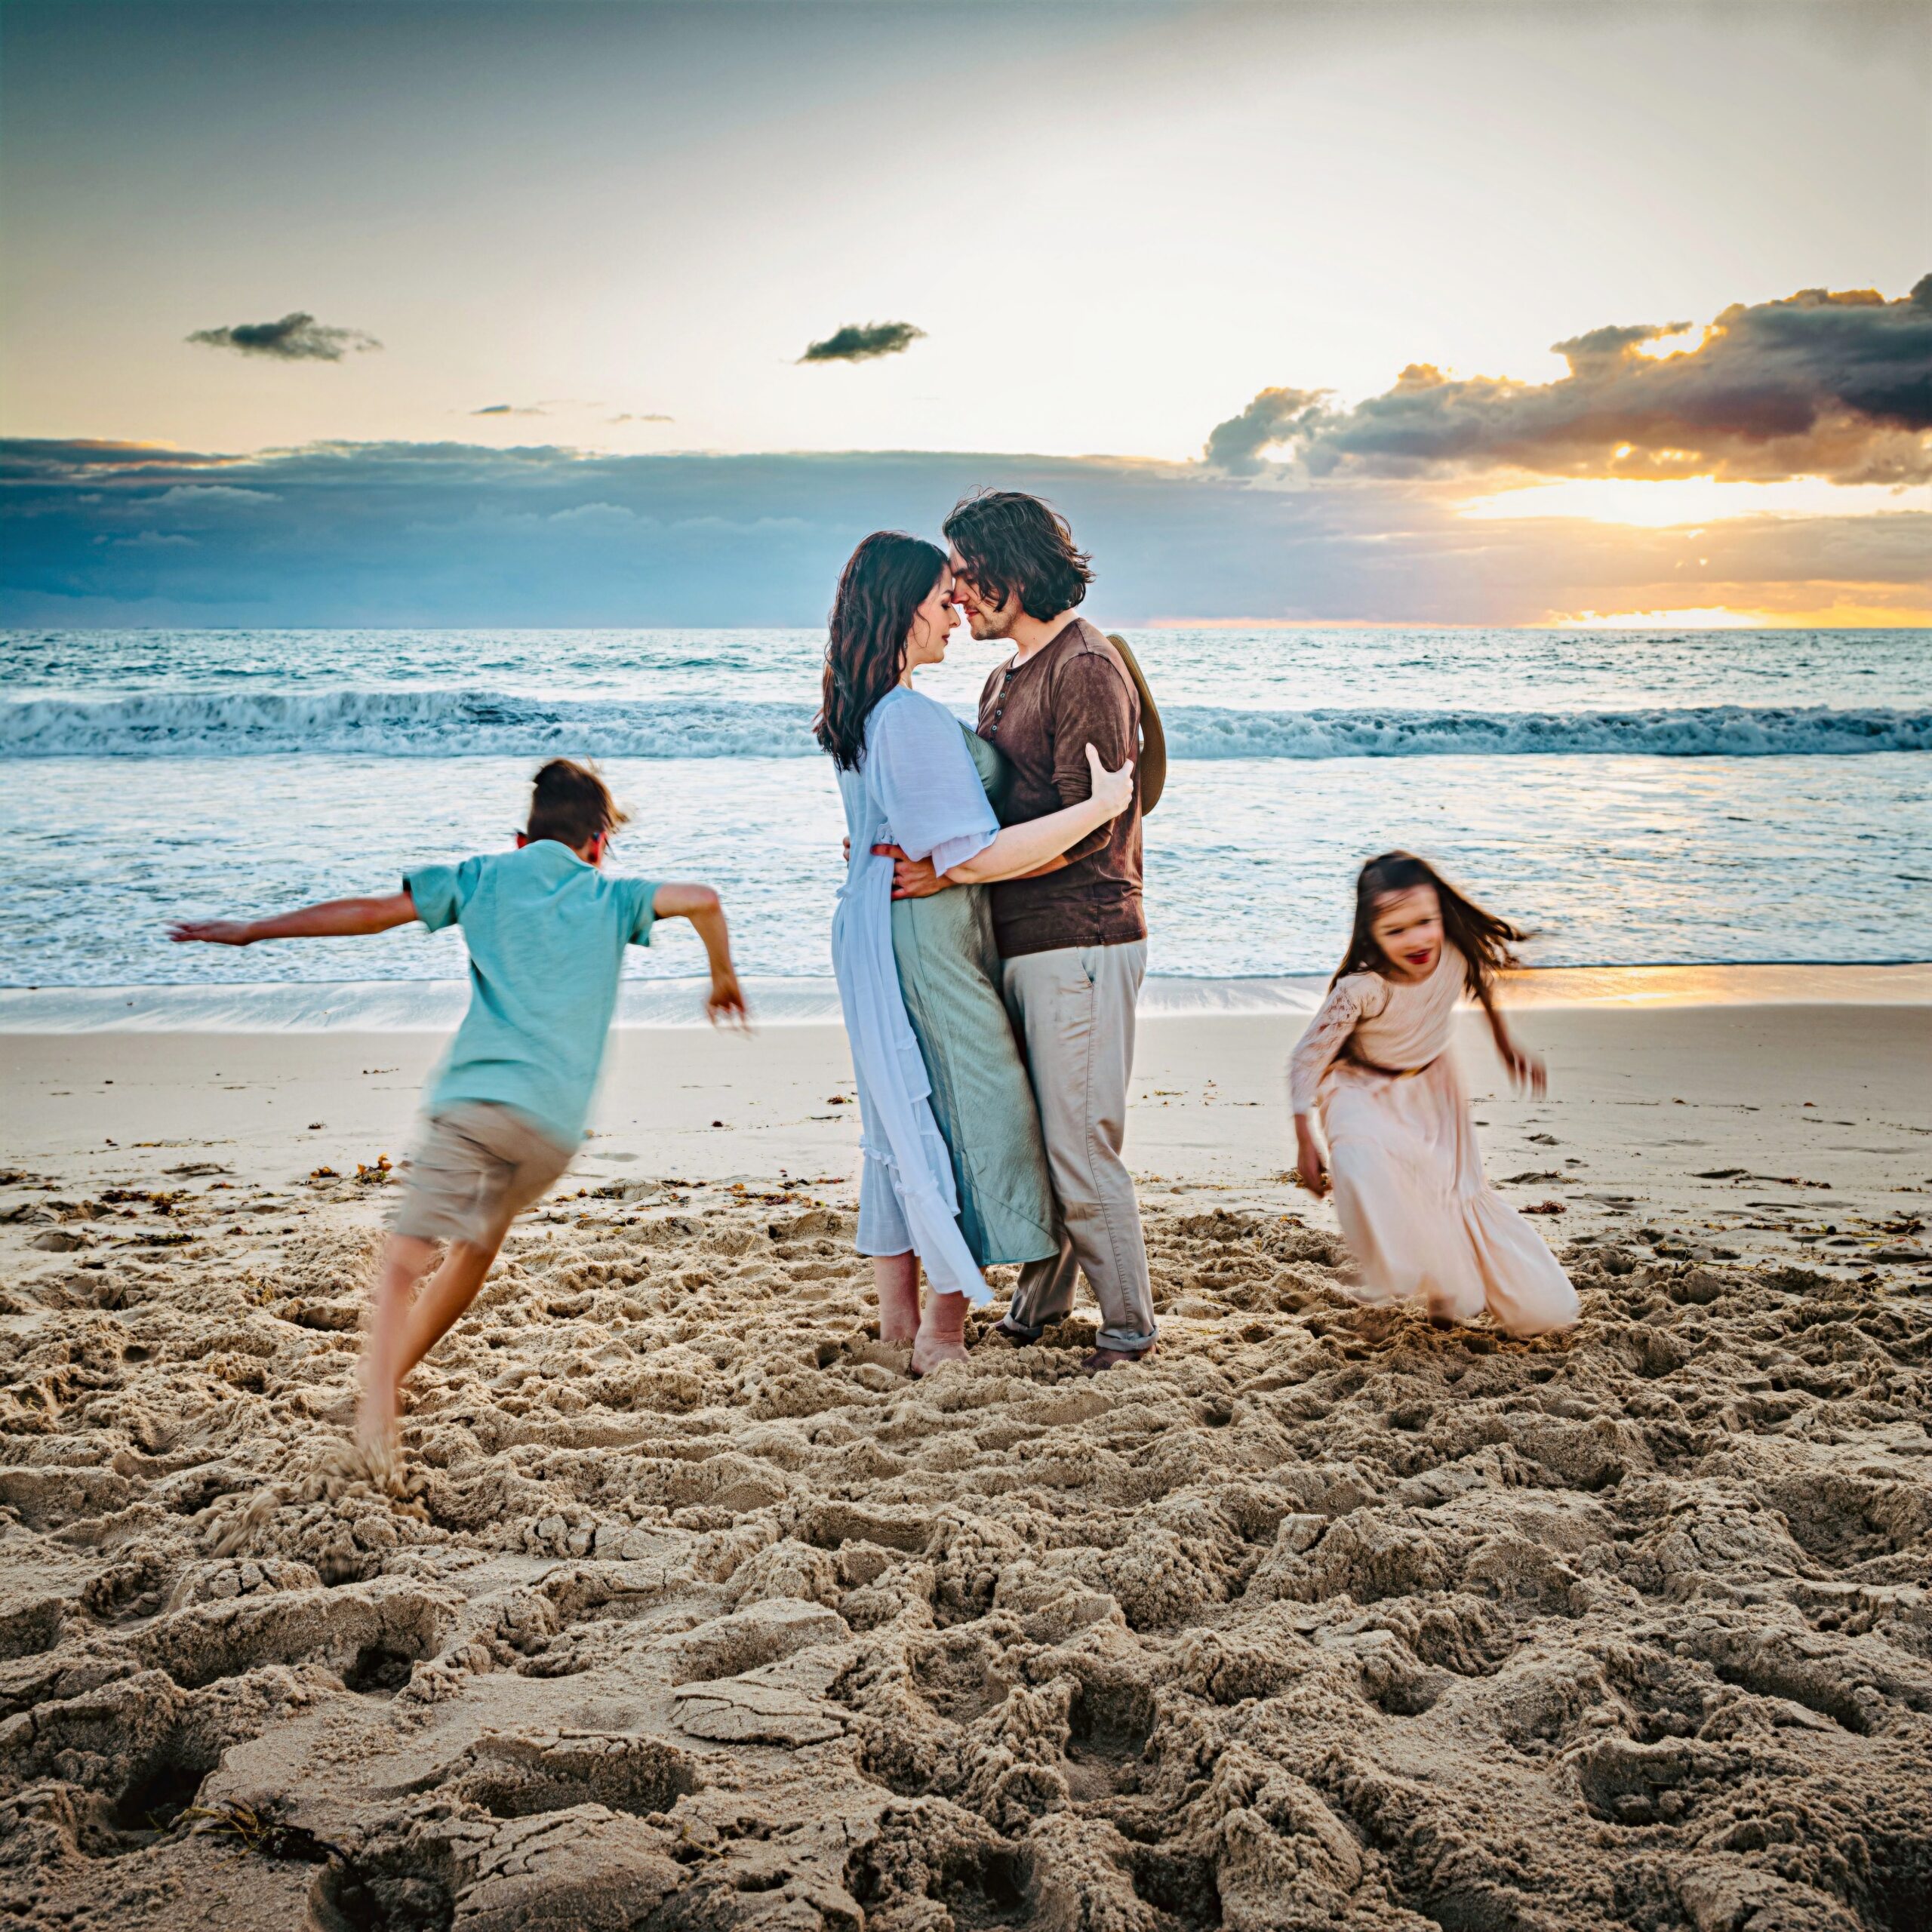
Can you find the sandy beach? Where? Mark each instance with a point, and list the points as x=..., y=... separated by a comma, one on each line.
x=701, y=1613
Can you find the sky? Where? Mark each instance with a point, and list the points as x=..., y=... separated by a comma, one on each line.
x=625, y=312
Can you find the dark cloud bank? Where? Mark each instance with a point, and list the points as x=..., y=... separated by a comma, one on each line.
x=298, y=337
x=864, y=341
x=403, y=534
x=1361, y=524
x=1819, y=384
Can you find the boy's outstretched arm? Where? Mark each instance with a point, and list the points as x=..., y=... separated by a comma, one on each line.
x=334, y=918
x=699, y=904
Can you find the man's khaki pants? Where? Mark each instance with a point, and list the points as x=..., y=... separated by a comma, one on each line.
x=1073, y=1009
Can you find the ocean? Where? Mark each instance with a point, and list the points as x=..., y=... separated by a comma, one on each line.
x=1636, y=797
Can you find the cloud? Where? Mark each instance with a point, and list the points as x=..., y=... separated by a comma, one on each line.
x=205, y=493
x=510, y=409
x=1273, y=417
x=1817, y=384
x=451, y=534
x=297, y=337
x=864, y=341
x=594, y=515
x=25, y=456
x=1603, y=349
x=643, y=419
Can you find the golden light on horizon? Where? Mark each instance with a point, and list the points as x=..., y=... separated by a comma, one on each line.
x=1668, y=503
x=1715, y=617
x=1724, y=617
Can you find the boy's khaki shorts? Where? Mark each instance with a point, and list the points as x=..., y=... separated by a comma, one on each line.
x=477, y=1167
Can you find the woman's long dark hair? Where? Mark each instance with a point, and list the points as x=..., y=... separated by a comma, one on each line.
x=1485, y=941
x=890, y=575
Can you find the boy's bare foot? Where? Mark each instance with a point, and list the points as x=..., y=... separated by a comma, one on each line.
x=941, y=1336
x=377, y=1421
x=376, y=1464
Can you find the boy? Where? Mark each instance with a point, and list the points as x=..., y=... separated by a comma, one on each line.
x=546, y=933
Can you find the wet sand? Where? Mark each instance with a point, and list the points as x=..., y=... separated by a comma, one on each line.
x=703, y=1614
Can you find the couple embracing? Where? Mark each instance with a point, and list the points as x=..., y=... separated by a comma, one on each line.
x=989, y=943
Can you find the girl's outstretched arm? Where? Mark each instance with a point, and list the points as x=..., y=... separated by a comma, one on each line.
x=334, y=918
x=1525, y=1069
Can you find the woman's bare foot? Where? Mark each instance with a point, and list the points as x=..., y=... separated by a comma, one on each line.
x=896, y=1278
x=941, y=1336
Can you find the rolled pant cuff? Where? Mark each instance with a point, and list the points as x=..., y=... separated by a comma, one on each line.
x=1126, y=1340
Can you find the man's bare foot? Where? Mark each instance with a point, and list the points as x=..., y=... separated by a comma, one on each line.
x=1013, y=1334
x=941, y=1336
x=1101, y=1360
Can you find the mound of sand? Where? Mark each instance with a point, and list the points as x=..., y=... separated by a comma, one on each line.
x=696, y=1613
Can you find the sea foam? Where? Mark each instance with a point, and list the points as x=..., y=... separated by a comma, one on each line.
x=431, y=722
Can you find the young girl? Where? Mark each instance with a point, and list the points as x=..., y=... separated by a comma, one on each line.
x=1415, y=1211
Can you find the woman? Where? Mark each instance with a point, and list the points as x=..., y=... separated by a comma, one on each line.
x=954, y=1174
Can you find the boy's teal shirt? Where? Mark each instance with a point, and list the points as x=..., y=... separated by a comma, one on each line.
x=546, y=934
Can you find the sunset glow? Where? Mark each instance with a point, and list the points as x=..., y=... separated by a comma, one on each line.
x=1719, y=617
x=1679, y=502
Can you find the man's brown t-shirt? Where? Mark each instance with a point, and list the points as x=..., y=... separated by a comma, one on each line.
x=1043, y=714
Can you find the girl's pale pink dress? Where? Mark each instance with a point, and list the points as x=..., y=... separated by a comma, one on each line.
x=1418, y=1216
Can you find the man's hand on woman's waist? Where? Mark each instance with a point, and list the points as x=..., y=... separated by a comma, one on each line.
x=912, y=878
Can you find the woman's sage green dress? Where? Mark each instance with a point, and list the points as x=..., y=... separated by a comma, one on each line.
x=949, y=974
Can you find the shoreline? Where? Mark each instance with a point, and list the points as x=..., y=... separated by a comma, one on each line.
x=1760, y=1122
x=409, y=1005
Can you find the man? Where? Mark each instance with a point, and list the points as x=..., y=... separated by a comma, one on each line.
x=1072, y=940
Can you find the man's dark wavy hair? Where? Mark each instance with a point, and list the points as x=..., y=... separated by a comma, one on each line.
x=1486, y=943
x=889, y=576
x=1010, y=542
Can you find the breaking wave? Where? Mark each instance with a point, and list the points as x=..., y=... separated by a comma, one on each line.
x=442, y=723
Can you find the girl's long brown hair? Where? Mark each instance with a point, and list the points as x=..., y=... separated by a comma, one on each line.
x=1485, y=941
x=889, y=576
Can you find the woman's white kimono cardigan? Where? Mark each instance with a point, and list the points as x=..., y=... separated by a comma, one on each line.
x=916, y=787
